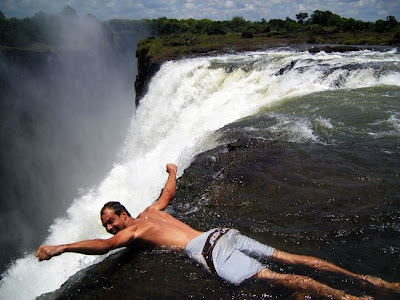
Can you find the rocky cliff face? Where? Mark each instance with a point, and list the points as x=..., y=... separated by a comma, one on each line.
x=147, y=67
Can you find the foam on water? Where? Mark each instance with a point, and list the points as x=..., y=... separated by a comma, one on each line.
x=324, y=122
x=187, y=101
x=392, y=126
x=288, y=128
x=394, y=120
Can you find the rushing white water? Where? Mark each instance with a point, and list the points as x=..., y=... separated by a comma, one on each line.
x=187, y=102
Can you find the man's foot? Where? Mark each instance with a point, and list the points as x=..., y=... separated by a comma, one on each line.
x=306, y=296
x=382, y=284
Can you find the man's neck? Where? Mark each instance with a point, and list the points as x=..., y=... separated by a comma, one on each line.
x=130, y=221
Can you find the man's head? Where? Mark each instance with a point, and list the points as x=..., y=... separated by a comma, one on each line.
x=117, y=207
x=114, y=217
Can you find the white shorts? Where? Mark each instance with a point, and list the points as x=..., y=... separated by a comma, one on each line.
x=233, y=255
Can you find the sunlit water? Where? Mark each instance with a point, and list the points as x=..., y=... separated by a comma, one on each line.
x=322, y=99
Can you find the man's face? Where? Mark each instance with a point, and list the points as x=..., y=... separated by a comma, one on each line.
x=112, y=222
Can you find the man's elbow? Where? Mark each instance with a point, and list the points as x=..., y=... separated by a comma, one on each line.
x=110, y=245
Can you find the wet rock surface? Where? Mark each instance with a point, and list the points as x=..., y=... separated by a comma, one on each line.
x=258, y=187
x=211, y=193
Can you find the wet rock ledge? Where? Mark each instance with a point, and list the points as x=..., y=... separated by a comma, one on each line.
x=214, y=191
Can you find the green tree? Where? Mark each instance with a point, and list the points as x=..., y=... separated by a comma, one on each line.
x=216, y=28
x=277, y=23
x=238, y=24
x=202, y=25
x=380, y=26
x=334, y=20
x=384, y=26
x=291, y=24
x=301, y=17
x=349, y=25
x=320, y=17
x=391, y=19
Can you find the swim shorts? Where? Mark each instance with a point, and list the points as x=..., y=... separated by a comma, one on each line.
x=234, y=256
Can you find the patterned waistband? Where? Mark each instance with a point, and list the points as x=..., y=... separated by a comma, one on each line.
x=210, y=244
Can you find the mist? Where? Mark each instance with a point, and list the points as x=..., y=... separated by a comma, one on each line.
x=64, y=117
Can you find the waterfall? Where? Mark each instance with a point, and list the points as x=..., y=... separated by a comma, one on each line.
x=187, y=102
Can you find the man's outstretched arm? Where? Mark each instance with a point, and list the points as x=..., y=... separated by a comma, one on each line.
x=93, y=247
x=168, y=191
x=90, y=247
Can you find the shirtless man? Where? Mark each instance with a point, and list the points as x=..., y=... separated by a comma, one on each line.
x=223, y=251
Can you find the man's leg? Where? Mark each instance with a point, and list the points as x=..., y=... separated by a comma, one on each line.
x=258, y=250
x=321, y=265
x=305, y=284
x=252, y=247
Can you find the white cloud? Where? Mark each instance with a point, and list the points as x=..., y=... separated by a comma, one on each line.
x=383, y=13
x=229, y=4
x=212, y=9
x=110, y=5
x=249, y=6
x=189, y=6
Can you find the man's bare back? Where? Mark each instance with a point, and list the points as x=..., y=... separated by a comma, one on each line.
x=157, y=228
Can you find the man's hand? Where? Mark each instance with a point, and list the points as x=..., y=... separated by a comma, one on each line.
x=172, y=168
x=168, y=191
x=47, y=252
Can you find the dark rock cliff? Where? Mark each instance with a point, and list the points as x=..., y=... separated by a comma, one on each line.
x=147, y=67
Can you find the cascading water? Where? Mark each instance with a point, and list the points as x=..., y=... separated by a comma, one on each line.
x=187, y=102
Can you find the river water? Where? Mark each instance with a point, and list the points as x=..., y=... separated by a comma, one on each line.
x=327, y=182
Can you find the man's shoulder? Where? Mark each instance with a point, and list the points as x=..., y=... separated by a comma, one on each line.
x=149, y=213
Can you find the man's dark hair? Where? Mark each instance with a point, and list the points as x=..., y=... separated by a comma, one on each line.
x=117, y=207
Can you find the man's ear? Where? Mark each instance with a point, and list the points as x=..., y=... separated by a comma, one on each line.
x=124, y=215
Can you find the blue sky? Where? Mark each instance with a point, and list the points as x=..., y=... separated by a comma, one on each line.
x=254, y=10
